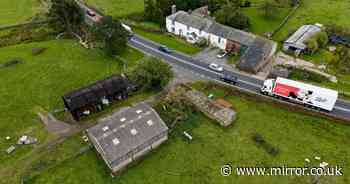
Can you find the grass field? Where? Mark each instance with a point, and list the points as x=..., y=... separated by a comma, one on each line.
x=119, y=8
x=261, y=24
x=317, y=11
x=297, y=137
x=12, y=12
x=40, y=81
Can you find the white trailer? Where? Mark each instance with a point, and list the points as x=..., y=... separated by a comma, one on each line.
x=298, y=92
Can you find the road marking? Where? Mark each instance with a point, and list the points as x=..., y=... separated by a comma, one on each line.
x=189, y=63
x=342, y=109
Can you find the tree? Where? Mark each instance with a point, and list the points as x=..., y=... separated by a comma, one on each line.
x=66, y=15
x=341, y=61
x=322, y=39
x=152, y=73
x=111, y=35
x=231, y=15
x=269, y=7
x=312, y=45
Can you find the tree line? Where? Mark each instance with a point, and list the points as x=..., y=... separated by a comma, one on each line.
x=227, y=12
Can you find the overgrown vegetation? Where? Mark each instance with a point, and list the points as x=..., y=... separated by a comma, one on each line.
x=231, y=15
x=316, y=42
x=300, y=74
x=151, y=73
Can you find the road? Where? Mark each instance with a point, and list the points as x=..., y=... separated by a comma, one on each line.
x=341, y=109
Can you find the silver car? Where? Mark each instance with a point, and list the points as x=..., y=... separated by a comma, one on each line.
x=216, y=67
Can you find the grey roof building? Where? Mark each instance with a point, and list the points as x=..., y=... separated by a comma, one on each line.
x=297, y=42
x=127, y=135
x=257, y=55
x=232, y=34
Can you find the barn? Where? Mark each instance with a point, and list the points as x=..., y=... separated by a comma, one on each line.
x=93, y=98
x=127, y=135
x=297, y=42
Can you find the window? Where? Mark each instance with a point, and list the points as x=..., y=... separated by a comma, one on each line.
x=188, y=27
x=219, y=40
x=173, y=22
x=115, y=141
x=173, y=29
x=200, y=32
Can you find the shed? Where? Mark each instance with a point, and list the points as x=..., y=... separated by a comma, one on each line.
x=297, y=42
x=92, y=98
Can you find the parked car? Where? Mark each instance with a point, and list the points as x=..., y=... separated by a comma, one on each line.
x=229, y=79
x=222, y=54
x=165, y=49
x=216, y=67
x=90, y=13
x=191, y=40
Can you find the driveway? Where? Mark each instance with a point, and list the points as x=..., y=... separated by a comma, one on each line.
x=208, y=55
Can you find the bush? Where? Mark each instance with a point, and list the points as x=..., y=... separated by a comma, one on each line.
x=261, y=142
x=246, y=4
x=322, y=39
x=202, y=43
x=312, y=45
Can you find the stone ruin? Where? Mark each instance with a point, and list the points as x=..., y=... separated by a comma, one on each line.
x=225, y=116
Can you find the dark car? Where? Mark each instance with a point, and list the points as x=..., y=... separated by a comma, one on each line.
x=165, y=49
x=229, y=79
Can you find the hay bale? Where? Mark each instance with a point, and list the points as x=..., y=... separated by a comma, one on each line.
x=38, y=50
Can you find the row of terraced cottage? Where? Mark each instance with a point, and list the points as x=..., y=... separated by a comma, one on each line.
x=196, y=25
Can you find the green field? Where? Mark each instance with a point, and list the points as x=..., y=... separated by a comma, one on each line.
x=12, y=12
x=317, y=11
x=261, y=24
x=119, y=8
x=297, y=137
x=40, y=81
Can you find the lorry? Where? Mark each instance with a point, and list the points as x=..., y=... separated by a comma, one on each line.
x=301, y=93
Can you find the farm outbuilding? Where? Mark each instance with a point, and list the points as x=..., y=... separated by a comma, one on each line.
x=127, y=135
x=297, y=42
x=94, y=97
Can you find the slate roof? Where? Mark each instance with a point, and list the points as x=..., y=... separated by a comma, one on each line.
x=93, y=93
x=113, y=136
x=256, y=54
x=233, y=34
x=191, y=20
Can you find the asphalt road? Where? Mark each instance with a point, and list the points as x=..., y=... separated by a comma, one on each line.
x=341, y=109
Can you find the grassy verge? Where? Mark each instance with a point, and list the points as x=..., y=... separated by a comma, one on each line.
x=178, y=161
x=170, y=41
x=39, y=82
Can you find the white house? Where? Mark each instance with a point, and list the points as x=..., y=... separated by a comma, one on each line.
x=193, y=28
x=256, y=51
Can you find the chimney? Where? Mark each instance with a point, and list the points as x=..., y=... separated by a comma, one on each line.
x=173, y=9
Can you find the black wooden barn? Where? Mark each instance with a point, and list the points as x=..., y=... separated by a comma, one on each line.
x=94, y=97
